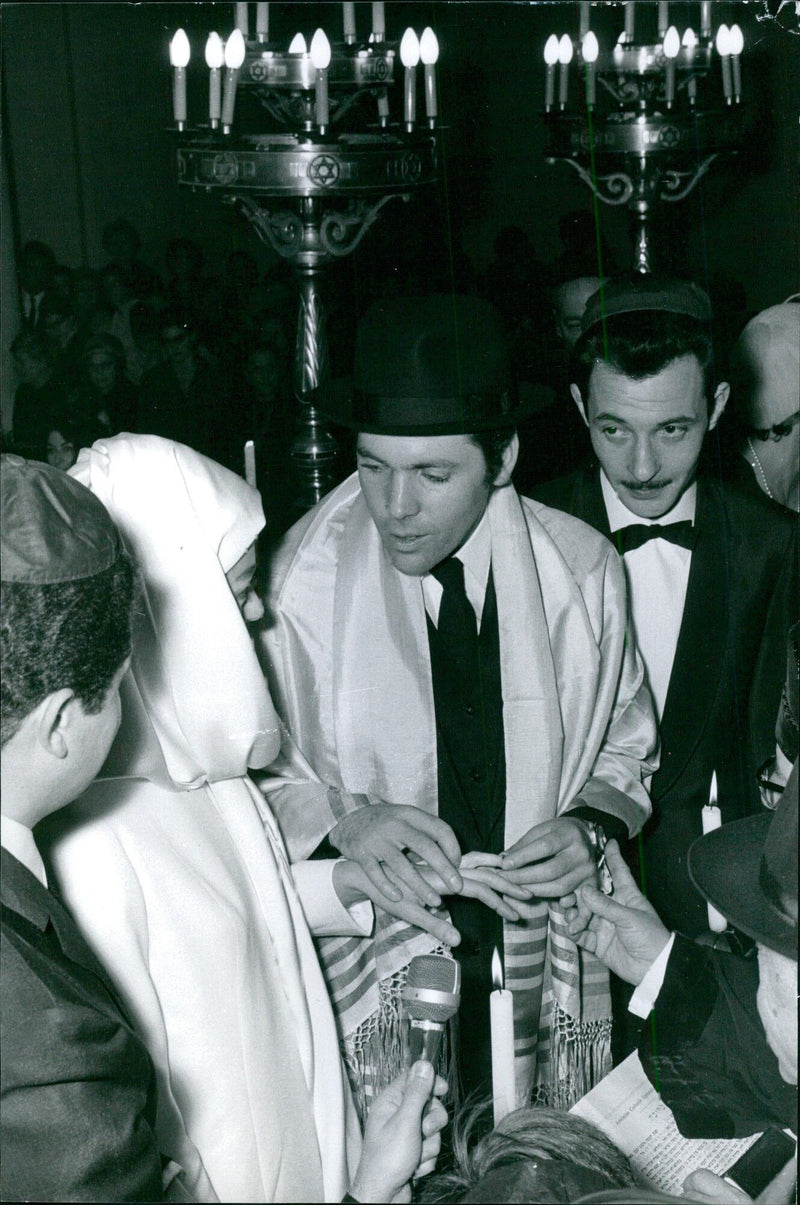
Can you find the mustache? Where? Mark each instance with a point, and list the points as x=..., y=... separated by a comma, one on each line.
x=643, y=487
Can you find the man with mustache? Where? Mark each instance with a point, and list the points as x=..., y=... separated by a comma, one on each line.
x=710, y=570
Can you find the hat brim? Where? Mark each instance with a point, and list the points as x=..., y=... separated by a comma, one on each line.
x=725, y=868
x=336, y=404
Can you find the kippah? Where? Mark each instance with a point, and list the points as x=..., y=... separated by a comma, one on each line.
x=641, y=293
x=52, y=528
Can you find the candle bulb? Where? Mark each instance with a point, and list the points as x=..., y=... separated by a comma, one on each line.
x=179, y=53
x=705, y=19
x=349, y=23
x=378, y=23
x=550, y=58
x=711, y=818
x=663, y=18
x=215, y=58
x=737, y=46
x=629, y=19
x=242, y=23
x=501, y=1016
x=589, y=51
x=672, y=46
x=298, y=45
x=584, y=27
x=565, y=52
x=250, y=463
x=409, y=57
x=689, y=44
x=429, y=53
x=724, y=52
x=320, y=51
x=383, y=108
x=262, y=22
x=234, y=57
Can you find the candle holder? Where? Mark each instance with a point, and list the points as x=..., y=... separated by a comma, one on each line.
x=311, y=190
x=649, y=117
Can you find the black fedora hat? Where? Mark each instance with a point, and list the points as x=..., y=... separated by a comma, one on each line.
x=748, y=871
x=434, y=365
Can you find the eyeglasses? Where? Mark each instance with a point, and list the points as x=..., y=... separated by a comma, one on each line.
x=778, y=431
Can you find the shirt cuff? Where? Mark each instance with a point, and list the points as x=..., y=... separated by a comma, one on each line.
x=325, y=913
x=643, y=1000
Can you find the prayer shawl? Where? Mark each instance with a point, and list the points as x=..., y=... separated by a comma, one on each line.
x=349, y=670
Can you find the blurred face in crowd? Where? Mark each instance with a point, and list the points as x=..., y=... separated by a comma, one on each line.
x=648, y=433
x=61, y=452
x=426, y=494
x=101, y=370
x=31, y=367
x=241, y=579
x=777, y=1008
x=263, y=373
x=569, y=302
x=179, y=346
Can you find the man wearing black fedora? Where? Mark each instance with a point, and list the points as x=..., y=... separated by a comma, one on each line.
x=451, y=663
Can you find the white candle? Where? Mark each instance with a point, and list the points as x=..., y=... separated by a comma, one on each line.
x=298, y=45
x=378, y=23
x=737, y=46
x=629, y=21
x=550, y=58
x=409, y=56
x=179, y=57
x=584, y=27
x=724, y=52
x=250, y=463
x=689, y=44
x=262, y=22
x=672, y=46
x=565, y=52
x=589, y=51
x=705, y=19
x=501, y=1016
x=711, y=819
x=349, y=22
x=429, y=53
x=320, y=51
x=242, y=23
x=383, y=107
x=663, y=17
x=234, y=57
x=215, y=57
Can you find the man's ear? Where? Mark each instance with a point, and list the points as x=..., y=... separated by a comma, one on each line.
x=721, y=395
x=52, y=720
x=510, y=454
x=578, y=400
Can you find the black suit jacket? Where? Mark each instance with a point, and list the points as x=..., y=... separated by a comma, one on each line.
x=727, y=676
x=77, y=1085
x=705, y=1051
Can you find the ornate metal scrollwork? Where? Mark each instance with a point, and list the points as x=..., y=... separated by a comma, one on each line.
x=675, y=185
x=616, y=188
x=340, y=233
x=282, y=231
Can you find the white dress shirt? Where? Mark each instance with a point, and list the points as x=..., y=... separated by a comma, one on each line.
x=18, y=840
x=476, y=557
x=643, y=1000
x=658, y=574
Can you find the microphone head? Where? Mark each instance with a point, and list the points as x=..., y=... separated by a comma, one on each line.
x=433, y=988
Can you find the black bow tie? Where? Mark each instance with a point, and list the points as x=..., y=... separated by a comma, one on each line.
x=628, y=538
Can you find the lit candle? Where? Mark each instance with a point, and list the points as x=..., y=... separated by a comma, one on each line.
x=250, y=463
x=705, y=19
x=378, y=23
x=584, y=29
x=215, y=57
x=724, y=52
x=298, y=45
x=629, y=18
x=241, y=19
x=737, y=46
x=429, y=53
x=501, y=1016
x=179, y=57
x=550, y=58
x=565, y=52
x=262, y=22
x=320, y=51
x=349, y=23
x=234, y=57
x=711, y=818
x=409, y=57
x=383, y=107
x=590, y=50
x=672, y=46
x=689, y=44
x=663, y=17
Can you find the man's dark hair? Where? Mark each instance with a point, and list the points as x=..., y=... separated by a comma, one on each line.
x=66, y=635
x=31, y=343
x=493, y=444
x=642, y=344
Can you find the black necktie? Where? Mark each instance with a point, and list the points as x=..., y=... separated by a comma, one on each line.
x=628, y=538
x=457, y=626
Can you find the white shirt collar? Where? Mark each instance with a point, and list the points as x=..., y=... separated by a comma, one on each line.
x=18, y=840
x=475, y=555
x=619, y=516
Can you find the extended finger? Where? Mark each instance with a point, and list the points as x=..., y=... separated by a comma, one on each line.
x=555, y=888
x=405, y=874
x=414, y=914
x=476, y=890
x=373, y=869
x=435, y=1118
x=498, y=882
x=553, y=868
x=438, y=832
x=429, y=851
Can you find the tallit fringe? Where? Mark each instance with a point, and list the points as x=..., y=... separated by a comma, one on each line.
x=580, y=1056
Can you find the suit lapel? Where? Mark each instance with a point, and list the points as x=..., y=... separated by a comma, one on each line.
x=588, y=501
x=702, y=641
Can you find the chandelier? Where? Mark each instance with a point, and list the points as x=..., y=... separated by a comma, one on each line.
x=649, y=114
x=340, y=134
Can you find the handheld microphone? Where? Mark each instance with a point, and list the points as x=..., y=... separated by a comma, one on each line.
x=431, y=996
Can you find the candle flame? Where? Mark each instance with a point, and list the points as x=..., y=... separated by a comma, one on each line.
x=712, y=794
x=234, y=50
x=320, y=50
x=551, y=50
x=215, y=53
x=298, y=45
x=723, y=41
x=690, y=39
x=565, y=49
x=672, y=43
x=179, y=50
x=736, y=40
x=497, y=971
x=409, y=49
x=428, y=47
x=590, y=48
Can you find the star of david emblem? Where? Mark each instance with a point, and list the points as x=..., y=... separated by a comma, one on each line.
x=258, y=70
x=224, y=169
x=411, y=167
x=324, y=170
x=670, y=136
x=381, y=69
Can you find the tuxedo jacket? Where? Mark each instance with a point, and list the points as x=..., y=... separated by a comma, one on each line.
x=705, y=1051
x=77, y=1085
x=729, y=669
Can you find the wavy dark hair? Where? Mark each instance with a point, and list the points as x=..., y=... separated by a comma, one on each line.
x=493, y=444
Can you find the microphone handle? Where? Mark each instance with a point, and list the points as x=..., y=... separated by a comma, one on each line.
x=424, y=1038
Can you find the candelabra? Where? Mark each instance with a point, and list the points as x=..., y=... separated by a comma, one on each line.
x=655, y=110
x=327, y=157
